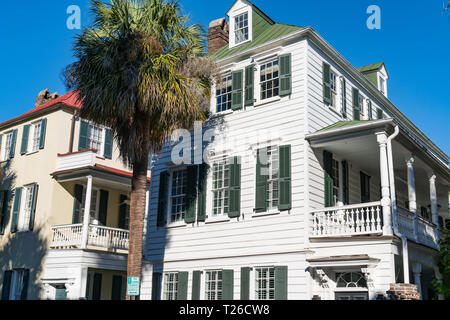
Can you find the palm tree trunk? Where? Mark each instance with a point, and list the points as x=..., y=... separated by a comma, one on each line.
x=137, y=216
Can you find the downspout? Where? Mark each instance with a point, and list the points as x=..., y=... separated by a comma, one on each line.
x=394, y=206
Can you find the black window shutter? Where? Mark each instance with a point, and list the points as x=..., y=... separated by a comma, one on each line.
x=12, y=151
x=4, y=211
x=97, y=287
x=345, y=182
x=196, y=278
x=43, y=133
x=284, y=62
x=235, y=187
x=182, y=291
x=25, y=282
x=245, y=283
x=261, y=181
x=25, y=134
x=83, y=138
x=6, y=290
x=202, y=184
x=191, y=194
x=281, y=285
x=33, y=205
x=103, y=208
x=156, y=285
x=124, y=212
x=356, y=111
x=328, y=173
x=236, y=94
x=162, y=201
x=116, y=292
x=326, y=74
x=365, y=187
x=285, y=202
x=16, y=210
x=108, y=144
x=227, y=284
x=77, y=203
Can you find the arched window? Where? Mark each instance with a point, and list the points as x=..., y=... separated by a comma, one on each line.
x=351, y=280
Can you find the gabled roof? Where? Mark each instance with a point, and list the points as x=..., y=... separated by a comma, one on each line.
x=270, y=32
x=370, y=67
x=69, y=99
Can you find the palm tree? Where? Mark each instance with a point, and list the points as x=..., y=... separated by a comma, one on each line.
x=141, y=70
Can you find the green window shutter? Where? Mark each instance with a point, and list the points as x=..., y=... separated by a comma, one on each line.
x=285, y=202
x=379, y=114
x=227, y=284
x=77, y=203
x=356, y=112
x=25, y=135
x=16, y=209
x=281, y=279
x=191, y=194
x=103, y=207
x=108, y=144
x=116, y=290
x=162, y=201
x=196, y=278
x=43, y=131
x=369, y=110
x=97, y=287
x=365, y=187
x=33, y=205
x=345, y=182
x=261, y=181
x=25, y=282
x=124, y=211
x=12, y=151
x=236, y=94
x=235, y=187
x=202, y=184
x=83, y=139
x=284, y=62
x=249, y=85
x=245, y=283
x=328, y=173
x=156, y=285
x=182, y=291
x=1, y=140
x=326, y=72
x=344, y=99
x=3, y=211
x=6, y=289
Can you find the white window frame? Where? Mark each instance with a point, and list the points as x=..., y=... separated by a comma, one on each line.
x=333, y=88
x=382, y=84
x=102, y=129
x=170, y=294
x=241, y=32
x=93, y=213
x=170, y=197
x=6, y=145
x=224, y=189
x=268, y=288
x=262, y=64
x=225, y=76
x=33, y=141
x=361, y=105
x=232, y=34
x=271, y=181
x=26, y=205
x=218, y=281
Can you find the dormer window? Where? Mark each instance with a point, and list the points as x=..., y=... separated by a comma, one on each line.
x=241, y=28
x=382, y=84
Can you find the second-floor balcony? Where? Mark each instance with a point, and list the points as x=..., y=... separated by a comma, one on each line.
x=71, y=237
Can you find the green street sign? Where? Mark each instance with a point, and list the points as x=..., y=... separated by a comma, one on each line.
x=133, y=286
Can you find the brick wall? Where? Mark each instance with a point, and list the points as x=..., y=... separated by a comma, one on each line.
x=403, y=291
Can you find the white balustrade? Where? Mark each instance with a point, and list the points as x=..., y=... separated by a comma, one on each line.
x=70, y=236
x=427, y=233
x=405, y=221
x=360, y=219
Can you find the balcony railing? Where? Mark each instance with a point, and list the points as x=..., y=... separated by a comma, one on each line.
x=70, y=236
x=426, y=230
x=360, y=219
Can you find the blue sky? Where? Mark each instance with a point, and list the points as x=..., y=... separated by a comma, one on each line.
x=414, y=42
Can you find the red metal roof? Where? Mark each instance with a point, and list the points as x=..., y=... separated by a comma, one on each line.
x=69, y=99
x=121, y=172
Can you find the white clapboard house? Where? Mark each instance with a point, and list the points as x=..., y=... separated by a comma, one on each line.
x=315, y=186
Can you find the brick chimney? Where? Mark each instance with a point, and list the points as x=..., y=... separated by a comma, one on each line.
x=218, y=33
x=44, y=96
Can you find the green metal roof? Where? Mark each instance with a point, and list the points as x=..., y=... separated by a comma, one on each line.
x=342, y=124
x=370, y=67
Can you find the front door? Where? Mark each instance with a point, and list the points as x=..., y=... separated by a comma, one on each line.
x=352, y=296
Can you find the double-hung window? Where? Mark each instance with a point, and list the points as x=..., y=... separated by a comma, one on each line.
x=213, y=285
x=178, y=195
x=361, y=105
x=333, y=86
x=241, y=30
x=273, y=174
x=6, y=150
x=170, y=286
x=95, y=138
x=221, y=183
x=223, y=94
x=382, y=84
x=265, y=283
x=36, y=136
x=27, y=207
x=94, y=210
x=270, y=82
x=17, y=284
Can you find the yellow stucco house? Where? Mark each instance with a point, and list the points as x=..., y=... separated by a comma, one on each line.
x=54, y=167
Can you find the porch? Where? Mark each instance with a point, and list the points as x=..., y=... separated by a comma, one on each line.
x=378, y=182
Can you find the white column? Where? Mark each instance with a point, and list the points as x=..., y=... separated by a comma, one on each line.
x=417, y=270
x=434, y=204
x=412, y=194
x=87, y=213
x=384, y=177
